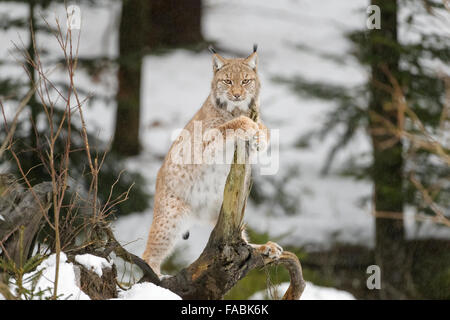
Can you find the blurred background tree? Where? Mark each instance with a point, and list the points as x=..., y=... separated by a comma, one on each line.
x=133, y=30
x=174, y=24
x=148, y=27
x=30, y=138
x=145, y=27
x=366, y=107
x=387, y=165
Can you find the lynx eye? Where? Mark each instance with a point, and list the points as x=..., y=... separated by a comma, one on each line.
x=226, y=81
x=246, y=81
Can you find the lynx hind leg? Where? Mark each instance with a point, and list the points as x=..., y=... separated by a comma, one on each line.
x=167, y=227
x=271, y=249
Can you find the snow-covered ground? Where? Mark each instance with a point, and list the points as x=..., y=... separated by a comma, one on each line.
x=311, y=292
x=175, y=85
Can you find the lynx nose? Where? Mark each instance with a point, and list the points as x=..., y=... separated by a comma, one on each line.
x=236, y=95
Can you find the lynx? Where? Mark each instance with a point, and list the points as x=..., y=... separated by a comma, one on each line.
x=191, y=189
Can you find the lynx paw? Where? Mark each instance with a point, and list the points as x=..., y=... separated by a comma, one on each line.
x=270, y=250
x=247, y=128
x=248, y=124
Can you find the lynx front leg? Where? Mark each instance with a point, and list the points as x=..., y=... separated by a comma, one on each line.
x=242, y=127
x=166, y=228
x=245, y=128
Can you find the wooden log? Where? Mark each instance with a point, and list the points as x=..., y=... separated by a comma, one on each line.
x=95, y=286
x=21, y=212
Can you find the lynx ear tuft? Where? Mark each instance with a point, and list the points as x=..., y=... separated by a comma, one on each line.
x=252, y=60
x=218, y=61
x=211, y=49
x=255, y=47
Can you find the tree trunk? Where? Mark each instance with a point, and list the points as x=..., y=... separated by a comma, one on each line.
x=30, y=142
x=34, y=105
x=174, y=23
x=131, y=46
x=387, y=167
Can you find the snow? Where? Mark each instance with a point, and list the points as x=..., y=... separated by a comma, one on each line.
x=69, y=283
x=93, y=263
x=311, y=292
x=147, y=291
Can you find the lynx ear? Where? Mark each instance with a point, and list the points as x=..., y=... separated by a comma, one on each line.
x=252, y=60
x=218, y=61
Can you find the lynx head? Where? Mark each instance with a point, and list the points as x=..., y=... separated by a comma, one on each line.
x=235, y=83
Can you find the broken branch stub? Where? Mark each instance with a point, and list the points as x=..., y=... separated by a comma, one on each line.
x=297, y=284
x=237, y=188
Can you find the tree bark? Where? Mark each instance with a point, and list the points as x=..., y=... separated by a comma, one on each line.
x=96, y=287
